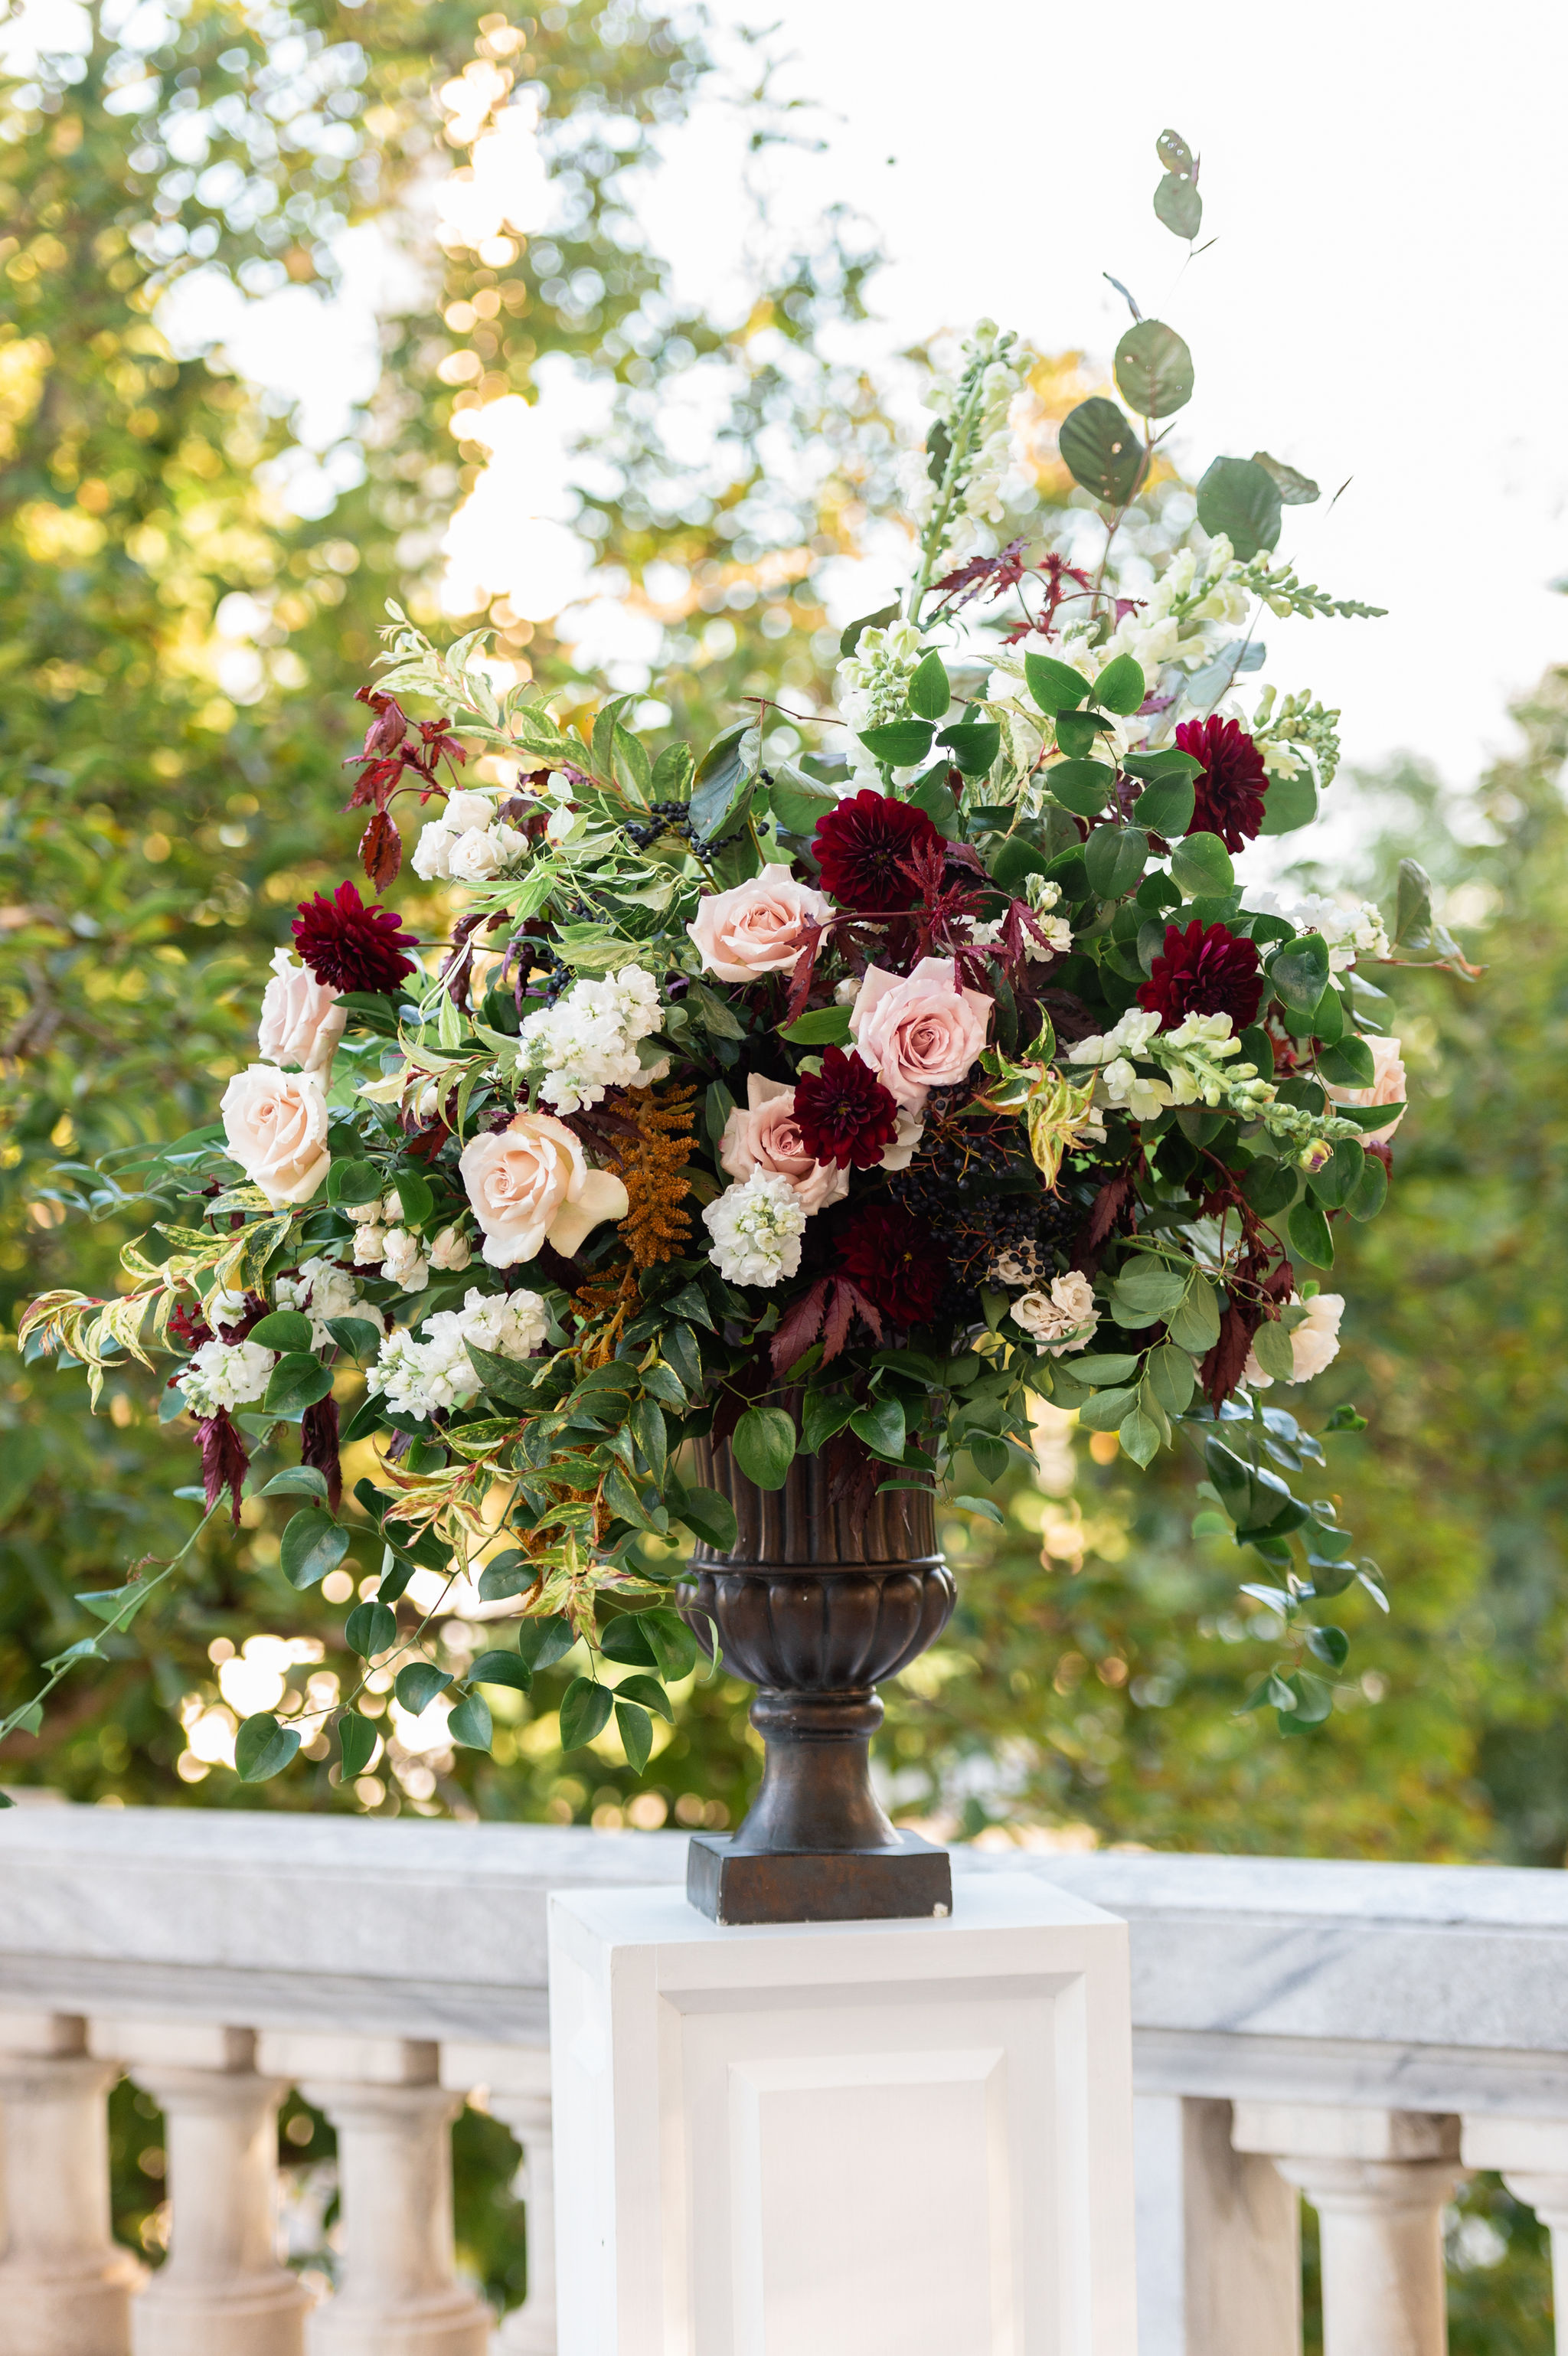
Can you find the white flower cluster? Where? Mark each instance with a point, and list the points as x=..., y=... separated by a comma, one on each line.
x=756, y=1226
x=1062, y=1319
x=436, y=1371
x=1193, y=1055
x=467, y=843
x=1042, y=895
x=226, y=1375
x=382, y=1242
x=1351, y=932
x=873, y=687
x=587, y=1042
x=975, y=412
x=324, y=1290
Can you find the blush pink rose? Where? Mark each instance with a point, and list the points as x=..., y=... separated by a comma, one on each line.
x=275, y=1123
x=922, y=1033
x=766, y=1136
x=529, y=1183
x=757, y=927
x=1388, y=1087
x=301, y=1021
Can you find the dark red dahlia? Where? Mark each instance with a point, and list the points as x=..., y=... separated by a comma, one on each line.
x=845, y=1114
x=896, y=1262
x=350, y=947
x=860, y=848
x=1203, y=970
x=1231, y=783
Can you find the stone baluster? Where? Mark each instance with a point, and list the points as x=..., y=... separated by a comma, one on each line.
x=515, y=2081
x=65, y=2288
x=1532, y=2157
x=1379, y=2181
x=1219, y=2237
x=398, y=2293
x=221, y=2291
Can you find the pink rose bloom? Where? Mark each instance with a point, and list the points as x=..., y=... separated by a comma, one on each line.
x=766, y=1136
x=1388, y=1087
x=275, y=1123
x=301, y=1021
x=922, y=1033
x=757, y=927
x=529, y=1183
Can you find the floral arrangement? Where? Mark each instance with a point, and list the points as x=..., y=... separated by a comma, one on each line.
x=849, y=1111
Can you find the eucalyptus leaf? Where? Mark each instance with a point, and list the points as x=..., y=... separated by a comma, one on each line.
x=1055, y=686
x=1242, y=500
x=1154, y=373
x=1178, y=204
x=1101, y=450
x=1200, y=863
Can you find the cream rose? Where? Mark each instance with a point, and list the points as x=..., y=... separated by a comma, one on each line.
x=1388, y=1087
x=920, y=1033
x=276, y=1125
x=757, y=927
x=301, y=1021
x=766, y=1136
x=528, y=1184
x=1314, y=1343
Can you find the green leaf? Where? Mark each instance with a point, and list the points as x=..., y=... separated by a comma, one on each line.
x=1201, y=864
x=500, y=1667
x=470, y=1725
x=636, y=1728
x=370, y=1629
x=416, y=1195
x=1145, y=1291
x=1106, y=1411
x=1372, y=1191
x=1242, y=500
x=797, y=803
x=933, y=795
x=851, y=635
x=1289, y=802
x=418, y=1686
x=1334, y=1184
x=295, y=1383
x=1272, y=1348
x=712, y=1011
x=1348, y=1063
x=1121, y=687
x=1114, y=857
x=1295, y=489
x=312, y=1545
x=675, y=1647
x=724, y=778
x=584, y=1712
x=825, y=1026
x=263, y=1747
x=929, y=691
x=1166, y=806
x=356, y=1739
x=1313, y=1700
x=711, y=1517
x=823, y=1414
x=973, y=744
x=354, y=1184
x=991, y=1457
x=1081, y=787
x=902, y=743
x=1301, y=973
x=1140, y=1436
x=543, y=1641
x=1078, y=733
x=763, y=1445
x=1171, y=1374
x=624, y=1640
x=1153, y=372
x=506, y=1574
x=651, y=1435
x=985, y=1505
x=1103, y=1369
x=649, y=1692
x=1413, y=908
x=1194, y=1326
x=285, y=1329
x=355, y=1336
x=1100, y=449
x=881, y=1427
x=1179, y=206
x=296, y=1480
x=1330, y=1644
x=1174, y=153
x=1309, y=1237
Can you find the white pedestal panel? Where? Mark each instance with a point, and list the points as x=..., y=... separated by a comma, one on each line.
x=843, y=2138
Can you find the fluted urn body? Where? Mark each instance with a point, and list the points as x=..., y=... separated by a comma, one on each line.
x=820, y=1598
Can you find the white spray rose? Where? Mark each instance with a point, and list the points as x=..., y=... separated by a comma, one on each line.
x=301, y=1021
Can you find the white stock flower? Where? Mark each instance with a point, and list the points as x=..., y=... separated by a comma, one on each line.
x=402, y=1263
x=436, y=1371
x=588, y=1041
x=756, y=1228
x=1130, y=1037
x=1351, y=932
x=324, y=1290
x=873, y=687
x=225, y=1375
x=1314, y=1343
x=450, y=1251
x=1062, y=1319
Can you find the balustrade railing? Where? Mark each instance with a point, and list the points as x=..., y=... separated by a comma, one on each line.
x=1357, y=2035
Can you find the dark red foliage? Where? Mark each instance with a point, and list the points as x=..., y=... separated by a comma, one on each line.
x=982, y=575
x=1231, y=783
x=1207, y=970
x=189, y=1328
x=895, y=1260
x=381, y=851
x=388, y=752
x=348, y=945
x=845, y=1113
x=862, y=847
x=318, y=1446
x=829, y=1309
x=224, y=1462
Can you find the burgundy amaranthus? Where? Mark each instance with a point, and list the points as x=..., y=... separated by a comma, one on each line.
x=844, y=1112
x=862, y=847
x=1203, y=970
x=348, y=945
x=1231, y=787
x=896, y=1262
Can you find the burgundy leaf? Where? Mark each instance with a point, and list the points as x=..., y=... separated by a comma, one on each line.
x=224, y=1462
x=847, y=1303
x=805, y=966
x=318, y=1446
x=1107, y=1207
x=1221, y=1369
x=381, y=851
x=799, y=1326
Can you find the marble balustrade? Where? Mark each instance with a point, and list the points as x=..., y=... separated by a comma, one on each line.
x=1356, y=2035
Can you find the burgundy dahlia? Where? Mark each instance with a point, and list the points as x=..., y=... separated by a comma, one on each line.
x=350, y=947
x=1231, y=783
x=845, y=1114
x=1203, y=970
x=896, y=1262
x=861, y=847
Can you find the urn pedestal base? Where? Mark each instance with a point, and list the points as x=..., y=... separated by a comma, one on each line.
x=731, y=1883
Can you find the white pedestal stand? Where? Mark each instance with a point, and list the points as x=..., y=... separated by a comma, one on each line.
x=843, y=2138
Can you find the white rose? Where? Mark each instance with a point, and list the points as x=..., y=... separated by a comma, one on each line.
x=432, y=851
x=451, y=1251
x=483, y=851
x=467, y=809
x=402, y=1263
x=301, y=1021
x=1314, y=1343
x=370, y=1243
x=275, y=1123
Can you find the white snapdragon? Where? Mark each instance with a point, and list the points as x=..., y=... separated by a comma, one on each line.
x=467, y=843
x=1130, y=1091
x=436, y=1371
x=226, y=1375
x=588, y=1041
x=756, y=1226
x=324, y=1291
x=994, y=362
x=873, y=687
x=1130, y=1037
x=1351, y=931
x=402, y=1263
